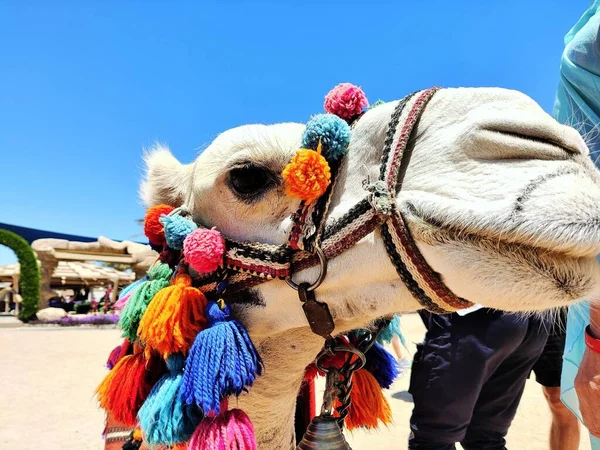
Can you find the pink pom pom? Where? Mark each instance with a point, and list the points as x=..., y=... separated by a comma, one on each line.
x=229, y=430
x=346, y=101
x=204, y=250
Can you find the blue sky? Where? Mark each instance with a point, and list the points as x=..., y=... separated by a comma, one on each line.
x=84, y=86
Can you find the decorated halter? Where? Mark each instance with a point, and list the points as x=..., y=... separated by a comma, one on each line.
x=184, y=354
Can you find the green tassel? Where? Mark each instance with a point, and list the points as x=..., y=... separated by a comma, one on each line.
x=159, y=276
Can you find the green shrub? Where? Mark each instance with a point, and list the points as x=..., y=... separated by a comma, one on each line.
x=29, y=280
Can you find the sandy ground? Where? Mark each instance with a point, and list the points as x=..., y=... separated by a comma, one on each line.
x=49, y=376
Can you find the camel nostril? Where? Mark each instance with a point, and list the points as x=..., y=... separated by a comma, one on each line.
x=505, y=143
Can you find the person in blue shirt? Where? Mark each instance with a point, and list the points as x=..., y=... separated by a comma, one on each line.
x=578, y=104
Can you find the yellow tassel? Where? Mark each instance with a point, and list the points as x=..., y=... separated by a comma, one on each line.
x=173, y=318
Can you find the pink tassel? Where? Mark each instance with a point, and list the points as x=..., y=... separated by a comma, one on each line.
x=230, y=430
x=120, y=304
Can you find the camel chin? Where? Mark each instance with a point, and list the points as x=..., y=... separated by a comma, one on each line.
x=502, y=201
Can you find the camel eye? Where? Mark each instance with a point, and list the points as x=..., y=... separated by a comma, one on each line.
x=249, y=181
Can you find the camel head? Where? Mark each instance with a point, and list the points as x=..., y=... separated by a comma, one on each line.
x=502, y=201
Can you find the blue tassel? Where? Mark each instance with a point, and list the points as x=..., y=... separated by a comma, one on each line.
x=382, y=366
x=222, y=362
x=176, y=230
x=386, y=336
x=164, y=418
x=132, y=286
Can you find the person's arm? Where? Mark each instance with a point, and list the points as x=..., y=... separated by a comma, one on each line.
x=587, y=382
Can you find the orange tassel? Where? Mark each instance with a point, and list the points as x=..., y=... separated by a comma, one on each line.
x=369, y=406
x=125, y=388
x=173, y=318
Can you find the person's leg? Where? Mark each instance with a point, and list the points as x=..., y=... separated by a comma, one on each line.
x=451, y=365
x=564, y=431
x=501, y=393
x=396, y=344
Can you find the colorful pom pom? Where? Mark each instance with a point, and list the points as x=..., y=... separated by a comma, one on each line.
x=308, y=175
x=346, y=101
x=173, y=318
x=153, y=229
x=376, y=104
x=231, y=430
x=204, y=250
x=222, y=362
x=331, y=131
x=164, y=418
x=176, y=229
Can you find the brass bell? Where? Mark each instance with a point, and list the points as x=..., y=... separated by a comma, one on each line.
x=323, y=433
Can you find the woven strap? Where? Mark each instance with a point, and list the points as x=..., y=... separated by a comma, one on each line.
x=420, y=279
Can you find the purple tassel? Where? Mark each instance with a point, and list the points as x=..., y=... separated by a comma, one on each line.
x=114, y=357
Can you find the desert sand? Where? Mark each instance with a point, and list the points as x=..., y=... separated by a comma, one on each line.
x=49, y=376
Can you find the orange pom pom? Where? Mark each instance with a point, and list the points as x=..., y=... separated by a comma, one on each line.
x=127, y=385
x=173, y=318
x=369, y=406
x=308, y=175
x=137, y=434
x=153, y=229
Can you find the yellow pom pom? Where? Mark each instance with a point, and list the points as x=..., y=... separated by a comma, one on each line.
x=308, y=175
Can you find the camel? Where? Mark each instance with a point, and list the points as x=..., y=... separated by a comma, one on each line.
x=502, y=201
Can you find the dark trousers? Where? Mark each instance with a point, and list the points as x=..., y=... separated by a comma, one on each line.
x=468, y=377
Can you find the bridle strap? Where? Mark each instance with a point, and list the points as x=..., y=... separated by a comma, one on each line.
x=255, y=263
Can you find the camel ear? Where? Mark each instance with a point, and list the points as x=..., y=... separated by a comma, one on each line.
x=166, y=180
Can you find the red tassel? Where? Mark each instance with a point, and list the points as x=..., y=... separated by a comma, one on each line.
x=127, y=385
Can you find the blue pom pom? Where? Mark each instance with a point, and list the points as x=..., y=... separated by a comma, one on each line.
x=390, y=331
x=164, y=418
x=333, y=132
x=222, y=361
x=176, y=230
x=382, y=366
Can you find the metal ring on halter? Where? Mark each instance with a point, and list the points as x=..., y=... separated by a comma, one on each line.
x=323, y=266
x=357, y=352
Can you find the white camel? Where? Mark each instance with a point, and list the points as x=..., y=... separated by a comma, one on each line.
x=502, y=201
